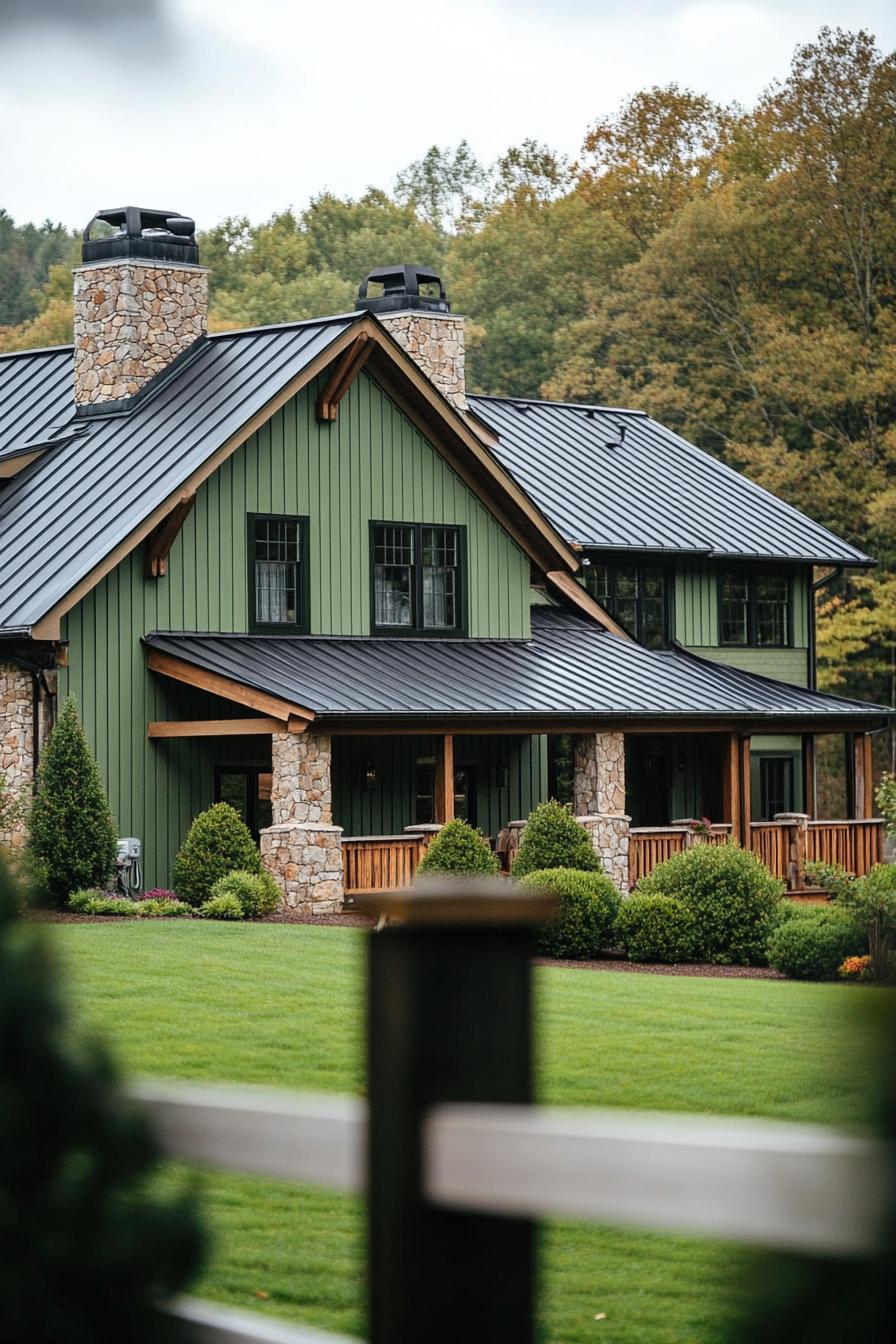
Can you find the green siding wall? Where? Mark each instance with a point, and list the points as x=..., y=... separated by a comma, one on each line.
x=696, y=624
x=389, y=807
x=370, y=463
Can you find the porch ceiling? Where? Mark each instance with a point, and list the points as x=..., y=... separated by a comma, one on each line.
x=571, y=673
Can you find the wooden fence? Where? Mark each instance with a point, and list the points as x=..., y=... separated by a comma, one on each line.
x=449, y=1138
x=381, y=862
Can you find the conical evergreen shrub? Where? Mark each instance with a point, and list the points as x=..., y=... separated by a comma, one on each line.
x=217, y=843
x=554, y=839
x=71, y=831
x=458, y=848
x=86, y=1250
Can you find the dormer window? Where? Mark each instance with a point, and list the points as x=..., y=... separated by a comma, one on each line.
x=635, y=596
x=418, y=579
x=278, y=574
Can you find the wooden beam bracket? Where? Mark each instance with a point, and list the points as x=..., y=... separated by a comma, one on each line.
x=215, y=684
x=157, y=545
x=344, y=374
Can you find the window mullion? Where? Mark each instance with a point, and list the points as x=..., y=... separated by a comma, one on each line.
x=418, y=576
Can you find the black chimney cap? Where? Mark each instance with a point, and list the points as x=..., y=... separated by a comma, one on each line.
x=154, y=235
x=401, y=289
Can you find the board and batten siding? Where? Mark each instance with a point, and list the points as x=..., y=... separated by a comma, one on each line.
x=370, y=463
x=696, y=624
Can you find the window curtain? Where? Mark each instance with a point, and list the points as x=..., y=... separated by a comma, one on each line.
x=271, y=591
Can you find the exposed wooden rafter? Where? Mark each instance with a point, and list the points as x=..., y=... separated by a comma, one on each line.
x=216, y=727
x=575, y=595
x=158, y=544
x=295, y=717
x=344, y=374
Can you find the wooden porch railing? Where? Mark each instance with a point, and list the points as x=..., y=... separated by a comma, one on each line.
x=856, y=845
x=650, y=845
x=381, y=862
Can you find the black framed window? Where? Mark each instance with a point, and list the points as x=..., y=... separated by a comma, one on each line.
x=775, y=786
x=424, y=793
x=634, y=595
x=417, y=578
x=755, y=609
x=247, y=788
x=278, y=572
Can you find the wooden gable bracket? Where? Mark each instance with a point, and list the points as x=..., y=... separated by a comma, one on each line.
x=344, y=374
x=295, y=717
x=162, y=537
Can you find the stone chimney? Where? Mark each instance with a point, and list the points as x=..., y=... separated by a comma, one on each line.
x=141, y=299
x=410, y=302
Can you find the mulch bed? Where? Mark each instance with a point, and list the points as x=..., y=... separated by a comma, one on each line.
x=357, y=921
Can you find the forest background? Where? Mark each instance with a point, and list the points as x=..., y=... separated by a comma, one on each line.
x=730, y=270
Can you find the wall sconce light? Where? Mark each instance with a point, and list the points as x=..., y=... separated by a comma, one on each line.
x=502, y=776
x=368, y=776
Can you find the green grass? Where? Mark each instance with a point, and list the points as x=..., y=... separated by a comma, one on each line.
x=283, y=1005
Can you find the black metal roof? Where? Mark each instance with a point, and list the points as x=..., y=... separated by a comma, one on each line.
x=613, y=479
x=66, y=511
x=570, y=670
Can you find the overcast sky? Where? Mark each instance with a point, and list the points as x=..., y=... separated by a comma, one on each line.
x=217, y=107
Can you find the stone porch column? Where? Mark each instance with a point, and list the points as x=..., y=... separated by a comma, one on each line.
x=599, y=800
x=16, y=749
x=302, y=848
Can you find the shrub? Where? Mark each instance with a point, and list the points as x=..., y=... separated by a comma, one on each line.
x=93, y=902
x=257, y=893
x=222, y=907
x=554, y=839
x=871, y=901
x=458, y=848
x=157, y=894
x=162, y=909
x=587, y=907
x=70, y=827
x=812, y=943
x=218, y=842
x=88, y=1242
x=885, y=797
x=731, y=894
x=656, y=928
x=831, y=877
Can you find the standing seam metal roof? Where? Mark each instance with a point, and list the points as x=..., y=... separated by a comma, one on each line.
x=570, y=669
x=652, y=491
x=65, y=512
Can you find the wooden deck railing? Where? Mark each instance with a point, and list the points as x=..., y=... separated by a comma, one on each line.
x=856, y=845
x=650, y=845
x=381, y=862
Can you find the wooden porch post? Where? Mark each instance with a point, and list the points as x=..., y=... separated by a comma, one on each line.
x=863, y=793
x=745, y=792
x=732, y=804
x=444, y=787
x=810, y=801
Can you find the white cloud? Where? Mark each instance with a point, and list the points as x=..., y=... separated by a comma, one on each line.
x=254, y=104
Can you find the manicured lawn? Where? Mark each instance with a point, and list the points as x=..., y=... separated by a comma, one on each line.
x=283, y=1005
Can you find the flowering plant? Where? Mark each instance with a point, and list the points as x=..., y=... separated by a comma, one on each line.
x=701, y=826
x=856, y=968
x=157, y=894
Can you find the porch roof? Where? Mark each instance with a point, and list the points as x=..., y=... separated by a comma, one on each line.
x=570, y=673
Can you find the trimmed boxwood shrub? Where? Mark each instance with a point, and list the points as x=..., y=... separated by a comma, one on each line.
x=656, y=928
x=458, y=848
x=217, y=843
x=225, y=906
x=586, y=911
x=71, y=832
x=554, y=839
x=89, y=1244
x=257, y=893
x=93, y=902
x=162, y=909
x=811, y=942
x=731, y=894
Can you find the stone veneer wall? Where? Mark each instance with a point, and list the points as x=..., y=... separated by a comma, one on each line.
x=302, y=848
x=16, y=746
x=132, y=318
x=599, y=800
x=435, y=341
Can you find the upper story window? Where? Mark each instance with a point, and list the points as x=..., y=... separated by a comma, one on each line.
x=635, y=596
x=278, y=573
x=754, y=610
x=418, y=579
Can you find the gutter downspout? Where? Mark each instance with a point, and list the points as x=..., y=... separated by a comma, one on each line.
x=816, y=587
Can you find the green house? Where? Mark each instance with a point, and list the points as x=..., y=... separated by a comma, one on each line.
x=299, y=569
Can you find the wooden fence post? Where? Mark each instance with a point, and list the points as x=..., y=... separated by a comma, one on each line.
x=449, y=1019
x=796, y=825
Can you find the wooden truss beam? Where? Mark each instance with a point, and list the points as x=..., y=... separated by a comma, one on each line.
x=216, y=727
x=158, y=544
x=295, y=716
x=344, y=374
